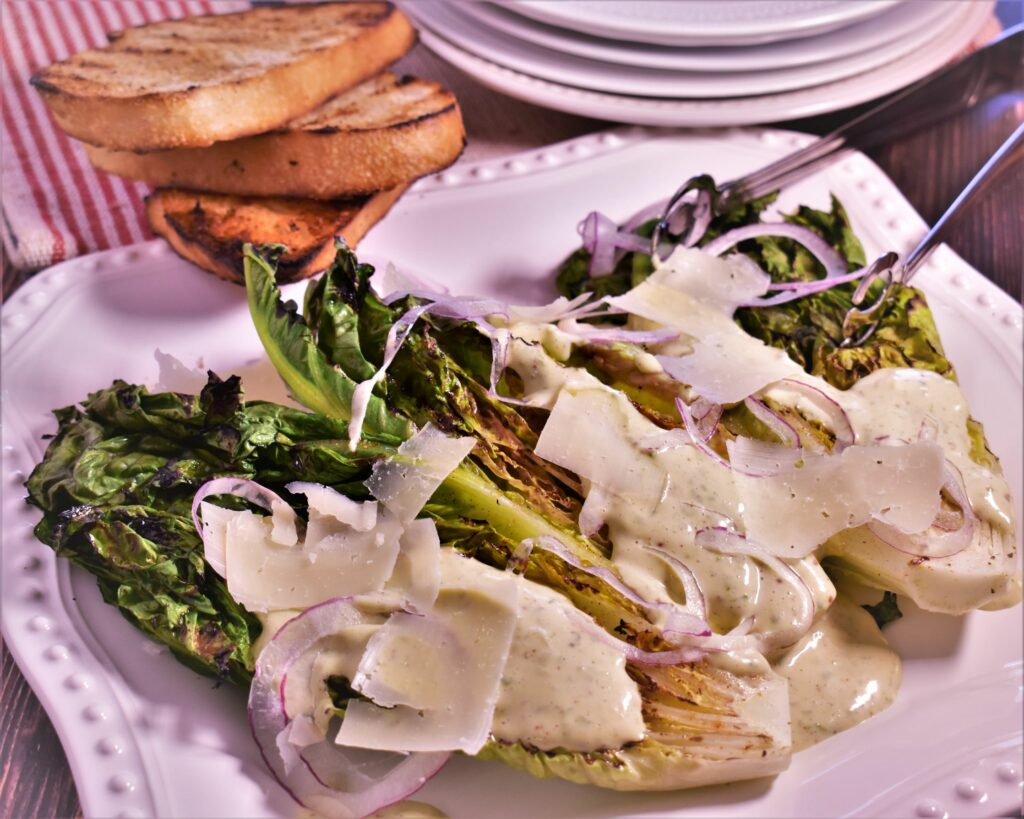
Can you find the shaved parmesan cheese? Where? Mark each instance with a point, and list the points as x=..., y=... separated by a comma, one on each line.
x=304, y=689
x=264, y=575
x=440, y=673
x=589, y=433
x=655, y=301
x=414, y=583
x=409, y=662
x=328, y=502
x=726, y=367
x=215, y=523
x=694, y=292
x=418, y=570
x=796, y=509
x=721, y=283
x=404, y=483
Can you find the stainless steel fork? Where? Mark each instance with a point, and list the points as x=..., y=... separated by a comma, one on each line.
x=997, y=68
x=860, y=322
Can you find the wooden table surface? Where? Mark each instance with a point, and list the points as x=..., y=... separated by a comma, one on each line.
x=930, y=168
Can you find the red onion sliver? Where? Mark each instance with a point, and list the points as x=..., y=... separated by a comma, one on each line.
x=698, y=435
x=613, y=335
x=779, y=427
x=268, y=719
x=833, y=263
x=520, y=557
x=283, y=515
x=727, y=541
x=944, y=538
x=606, y=244
x=840, y=421
x=677, y=620
x=675, y=656
x=761, y=459
x=645, y=215
x=594, y=511
x=695, y=601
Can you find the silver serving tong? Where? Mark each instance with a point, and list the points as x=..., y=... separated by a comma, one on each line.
x=861, y=320
x=996, y=68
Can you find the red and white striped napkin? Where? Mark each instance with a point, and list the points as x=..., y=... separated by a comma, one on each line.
x=55, y=206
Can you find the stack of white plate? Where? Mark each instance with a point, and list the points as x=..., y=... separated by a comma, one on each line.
x=699, y=62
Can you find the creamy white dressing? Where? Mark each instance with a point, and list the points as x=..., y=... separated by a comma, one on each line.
x=840, y=673
x=563, y=687
x=900, y=402
x=560, y=685
x=660, y=500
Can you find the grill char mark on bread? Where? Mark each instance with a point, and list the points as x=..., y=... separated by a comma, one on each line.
x=199, y=80
x=383, y=132
x=210, y=230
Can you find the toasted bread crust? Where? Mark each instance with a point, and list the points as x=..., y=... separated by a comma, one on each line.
x=378, y=135
x=210, y=230
x=139, y=93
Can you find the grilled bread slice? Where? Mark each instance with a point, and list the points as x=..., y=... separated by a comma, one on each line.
x=209, y=229
x=374, y=137
x=199, y=80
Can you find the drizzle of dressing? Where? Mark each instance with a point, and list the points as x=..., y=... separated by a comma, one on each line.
x=840, y=673
x=659, y=499
x=406, y=809
x=562, y=687
x=899, y=402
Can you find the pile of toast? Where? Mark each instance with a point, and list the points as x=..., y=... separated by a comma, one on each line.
x=273, y=125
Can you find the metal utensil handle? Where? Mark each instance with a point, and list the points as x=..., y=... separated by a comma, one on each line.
x=996, y=68
x=1008, y=152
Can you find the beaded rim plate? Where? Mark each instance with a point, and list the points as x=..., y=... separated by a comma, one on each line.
x=725, y=22
x=740, y=110
x=136, y=725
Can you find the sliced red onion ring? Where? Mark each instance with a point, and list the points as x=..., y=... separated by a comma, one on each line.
x=594, y=511
x=677, y=620
x=698, y=431
x=760, y=459
x=520, y=557
x=645, y=215
x=556, y=310
x=838, y=419
x=833, y=263
x=269, y=720
x=773, y=421
x=727, y=541
x=284, y=531
x=606, y=244
x=663, y=440
x=929, y=429
x=613, y=335
x=675, y=656
x=944, y=538
x=695, y=601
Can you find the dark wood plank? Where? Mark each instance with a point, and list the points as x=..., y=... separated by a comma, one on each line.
x=35, y=780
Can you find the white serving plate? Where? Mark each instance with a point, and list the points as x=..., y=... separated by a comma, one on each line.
x=903, y=18
x=147, y=737
x=695, y=22
x=691, y=113
x=463, y=30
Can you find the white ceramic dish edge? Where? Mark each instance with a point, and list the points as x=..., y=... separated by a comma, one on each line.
x=113, y=770
x=692, y=113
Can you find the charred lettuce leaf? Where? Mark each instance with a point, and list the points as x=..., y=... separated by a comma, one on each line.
x=808, y=329
x=116, y=486
x=885, y=611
